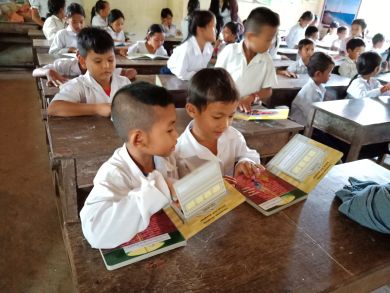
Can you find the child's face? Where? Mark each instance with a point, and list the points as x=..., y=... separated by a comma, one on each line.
x=117, y=25
x=323, y=77
x=315, y=36
x=207, y=33
x=379, y=45
x=100, y=66
x=167, y=20
x=105, y=11
x=355, y=53
x=306, y=52
x=214, y=119
x=304, y=23
x=356, y=30
x=157, y=40
x=76, y=22
x=162, y=137
x=262, y=41
x=342, y=35
x=228, y=36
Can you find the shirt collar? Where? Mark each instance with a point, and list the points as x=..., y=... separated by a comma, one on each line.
x=196, y=47
x=258, y=58
x=319, y=88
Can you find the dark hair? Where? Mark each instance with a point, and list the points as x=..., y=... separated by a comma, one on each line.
x=334, y=24
x=310, y=30
x=211, y=85
x=165, y=12
x=377, y=39
x=304, y=42
x=132, y=106
x=154, y=29
x=99, y=5
x=319, y=62
x=214, y=8
x=234, y=27
x=341, y=29
x=93, y=38
x=307, y=15
x=354, y=43
x=114, y=15
x=367, y=62
x=199, y=18
x=192, y=6
x=260, y=17
x=362, y=23
x=74, y=8
x=55, y=6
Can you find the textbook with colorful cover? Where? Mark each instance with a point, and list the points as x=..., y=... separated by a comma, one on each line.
x=147, y=57
x=289, y=176
x=160, y=236
x=262, y=113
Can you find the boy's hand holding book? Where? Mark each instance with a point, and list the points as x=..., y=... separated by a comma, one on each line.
x=248, y=169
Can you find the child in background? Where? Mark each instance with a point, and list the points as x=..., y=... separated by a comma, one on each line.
x=39, y=11
x=249, y=62
x=364, y=85
x=312, y=33
x=116, y=21
x=153, y=43
x=230, y=35
x=319, y=68
x=191, y=7
x=166, y=22
x=297, y=32
x=134, y=183
x=99, y=14
x=212, y=102
x=341, y=35
x=65, y=40
x=56, y=20
x=357, y=31
x=354, y=48
x=91, y=93
x=378, y=41
x=331, y=34
x=195, y=52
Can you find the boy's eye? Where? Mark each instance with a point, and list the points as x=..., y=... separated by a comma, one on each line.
x=217, y=117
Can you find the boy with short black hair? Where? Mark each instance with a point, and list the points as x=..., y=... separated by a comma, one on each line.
x=134, y=183
x=354, y=48
x=91, y=93
x=166, y=22
x=319, y=68
x=212, y=102
x=249, y=62
x=312, y=33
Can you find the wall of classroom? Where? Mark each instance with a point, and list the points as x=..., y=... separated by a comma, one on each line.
x=142, y=13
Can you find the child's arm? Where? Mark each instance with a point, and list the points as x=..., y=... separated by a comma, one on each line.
x=36, y=17
x=130, y=73
x=263, y=95
x=53, y=77
x=69, y=109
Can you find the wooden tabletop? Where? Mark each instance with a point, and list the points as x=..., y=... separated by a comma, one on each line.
x=7, y=27
x=36, y=34
x=309, y=247
x=46, y=58
x=41, y=43
x=297, y=83
x=282, y=63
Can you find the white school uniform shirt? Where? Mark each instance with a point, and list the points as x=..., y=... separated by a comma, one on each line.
x=232, y=149
x=63, y=40
x=249, y=78
x=328, y=39
x=118, y=37
x=140, y=48
x=273, y=50
x=348, y=68
x=295, y=34
x=336, y=44
x=99, y=21
x=123, y=199
x=85, y=89
x=187, y=59
x=302, y=106
x=361, y=88
x=41, y=6
x=51, y=26
x=169, y=31
x=184, y=27
x=298, y=67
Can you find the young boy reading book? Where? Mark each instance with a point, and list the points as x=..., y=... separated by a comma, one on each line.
x=131, y=186
x=212, y=102
x=91, y=93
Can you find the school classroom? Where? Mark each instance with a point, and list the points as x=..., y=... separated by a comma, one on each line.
x=75, y=165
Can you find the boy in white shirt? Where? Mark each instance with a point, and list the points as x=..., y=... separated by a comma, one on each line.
x=249, y=62
x=91, y=93
x=312, y=33
x=212, y=102
x=134, y=183
x=55, y=22
x=341, y=35
x=354, y=48
x=319, y=68
x=65, y=40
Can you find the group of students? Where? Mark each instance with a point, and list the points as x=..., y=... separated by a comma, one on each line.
x=137, y=180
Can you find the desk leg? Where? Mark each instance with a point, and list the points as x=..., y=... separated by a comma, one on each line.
x=309, y=128
x=356, y=145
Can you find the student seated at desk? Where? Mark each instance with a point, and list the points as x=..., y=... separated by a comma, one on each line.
x=195, y=52
x=249, y=62
x=91, y=93
x=166, y=22
x=116, y=21
x=134, y=183
x=65, y=40
x=212, y=102
x=297, y=32
x=364, y=85
x=56, y=20
x=341, y=35
x=312, y=33
x=358, y=28
x=153, y=43
x=354, y=48
x=378, y=40
x=99, y=14
x=230, y=35
x=319, y=68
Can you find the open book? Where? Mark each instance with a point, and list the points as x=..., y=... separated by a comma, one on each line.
x=290, y=175
x=147, y=57
x=262, y=113
x=160, y=236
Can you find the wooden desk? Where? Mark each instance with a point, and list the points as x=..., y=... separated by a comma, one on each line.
x=35, y=34
x=290, y=53
x=309, y=247
x=142, y=66
x=279, y=63
x=41, y=45
x=46, y=58
x=356, y=121
x=13, y=28
x=287, y=88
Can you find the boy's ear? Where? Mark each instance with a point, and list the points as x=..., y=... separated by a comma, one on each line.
x=82, y=61
x=192, y=111
x=137, y=138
